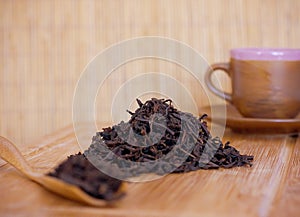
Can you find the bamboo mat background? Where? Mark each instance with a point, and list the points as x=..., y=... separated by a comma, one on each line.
x=45, y=45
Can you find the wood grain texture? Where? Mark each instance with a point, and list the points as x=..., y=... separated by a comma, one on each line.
x=268, y=188
x=289, y=190
x=45, y=45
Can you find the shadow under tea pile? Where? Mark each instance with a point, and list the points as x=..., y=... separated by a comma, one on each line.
x=160, y=139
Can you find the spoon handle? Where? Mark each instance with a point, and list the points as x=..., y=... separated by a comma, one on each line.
x=10, y=153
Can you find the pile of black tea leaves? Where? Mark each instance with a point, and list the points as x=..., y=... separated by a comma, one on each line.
x=157, y=130
x=78, y=170
x=157, y=139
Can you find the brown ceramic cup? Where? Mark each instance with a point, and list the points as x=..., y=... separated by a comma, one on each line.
x=265, y=82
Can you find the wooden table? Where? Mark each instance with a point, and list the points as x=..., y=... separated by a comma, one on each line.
x=271, y=187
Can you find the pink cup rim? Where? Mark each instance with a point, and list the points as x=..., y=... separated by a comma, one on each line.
x=265, y=53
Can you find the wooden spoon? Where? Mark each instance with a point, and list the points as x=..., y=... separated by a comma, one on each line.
x=12, y=155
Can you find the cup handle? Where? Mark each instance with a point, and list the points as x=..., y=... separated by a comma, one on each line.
x=209, y=83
